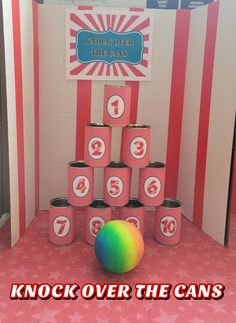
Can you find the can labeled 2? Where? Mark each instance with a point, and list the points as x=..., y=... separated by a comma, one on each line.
x=133, y=212
x=167, y=227
x=117, y=103
x=117, y=178
x=98, y=213
x=135, y=147
x=61, y=222
x=152, y=184
x=97, y=145
x=80, y=183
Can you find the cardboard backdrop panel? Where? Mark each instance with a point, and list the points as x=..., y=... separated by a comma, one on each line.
x=169, y=103
x=189, y=103
x=208, y=120
x=21, y=106
x=61, y=100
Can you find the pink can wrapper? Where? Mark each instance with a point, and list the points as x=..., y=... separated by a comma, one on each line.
x=152, y=184
x=98, y=213
x=135, y=147
x=61, y=222
x=167, y=228
x=97, y=145
x=117, y=178
x=117, y=103
x=80, y=183
x=133, y=212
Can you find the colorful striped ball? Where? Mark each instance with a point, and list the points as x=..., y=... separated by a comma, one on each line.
x=119, y=246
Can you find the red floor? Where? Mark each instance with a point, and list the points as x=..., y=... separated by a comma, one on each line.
x=196, y=259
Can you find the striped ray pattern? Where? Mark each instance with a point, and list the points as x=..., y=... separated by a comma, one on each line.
x=119, y=22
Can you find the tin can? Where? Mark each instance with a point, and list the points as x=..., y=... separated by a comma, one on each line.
x=117, y=178
x=135, y=147
x=80, y=183
x=97, y=145
x=117, y=103
x=98, y=213
x=167, y=227
x=133, y=212
x=152, y=184
x=61, y=222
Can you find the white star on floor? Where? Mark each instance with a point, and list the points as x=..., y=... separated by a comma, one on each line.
x=165, y=317
x=75, y=318
x=47, y=315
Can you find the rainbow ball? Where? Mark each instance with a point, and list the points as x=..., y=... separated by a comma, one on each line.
x=119, y=246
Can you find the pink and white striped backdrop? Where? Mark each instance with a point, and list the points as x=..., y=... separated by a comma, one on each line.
x=189, y=104
x=21, y=54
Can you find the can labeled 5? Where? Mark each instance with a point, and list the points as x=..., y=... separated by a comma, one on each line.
x=117, y=178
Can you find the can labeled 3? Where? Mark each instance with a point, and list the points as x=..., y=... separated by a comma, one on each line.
x=135, y=147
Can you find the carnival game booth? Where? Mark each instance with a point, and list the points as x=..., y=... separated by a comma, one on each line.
x=183, y=86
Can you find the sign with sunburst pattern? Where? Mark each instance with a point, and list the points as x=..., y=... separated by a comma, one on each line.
x=108, y=44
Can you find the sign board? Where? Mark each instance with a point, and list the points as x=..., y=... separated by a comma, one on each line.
x=191, y=4
x=163, y=4
x=108, y=45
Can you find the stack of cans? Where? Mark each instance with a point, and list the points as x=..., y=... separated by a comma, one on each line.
x=135, y=152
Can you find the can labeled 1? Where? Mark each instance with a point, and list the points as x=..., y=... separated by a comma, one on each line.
x=98, y=213
x=80, y=183
x=152, y=184
x=61, y=222
x=135, y=147
x=97, y=145
x=167, y=227
x=133, y=212
x=117, y=184
x=117, y=103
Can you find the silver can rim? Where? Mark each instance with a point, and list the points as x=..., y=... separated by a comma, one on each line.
x=170, y=203
x=118, y=86
x=156, y=164
x=134, y=203
x=117, y=164
x=78, y=163
x=60, y=202
x=98, y=125
x=137, y=126
x=99, y=204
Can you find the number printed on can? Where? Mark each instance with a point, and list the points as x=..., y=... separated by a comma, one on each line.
x=115, y=106
x=152, y=186
x=81, y=186
x=114, y=186
x=96, y=147
x=134, y=221
x=138, y=147
x=168, y=226
x=95, y=224
x=61, y=226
